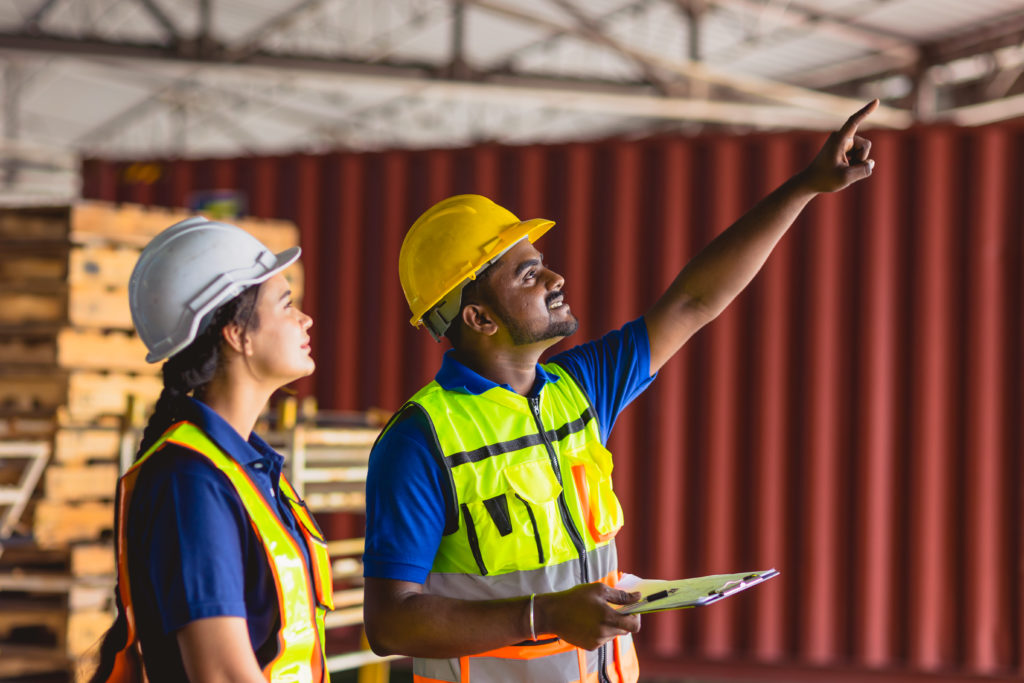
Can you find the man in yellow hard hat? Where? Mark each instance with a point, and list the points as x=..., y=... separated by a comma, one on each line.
x=491, y=519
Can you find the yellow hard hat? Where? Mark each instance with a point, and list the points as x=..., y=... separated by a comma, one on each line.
x=451, y=243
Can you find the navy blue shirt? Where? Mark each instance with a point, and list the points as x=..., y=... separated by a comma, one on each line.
x=192, y=550
x=405, y=505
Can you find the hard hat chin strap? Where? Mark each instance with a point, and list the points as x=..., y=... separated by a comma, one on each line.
x=439, y=318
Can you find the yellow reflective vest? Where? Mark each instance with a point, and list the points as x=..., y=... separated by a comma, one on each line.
x=304, y=596
x=531, y=510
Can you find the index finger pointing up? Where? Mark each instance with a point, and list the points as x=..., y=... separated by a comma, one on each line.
x=850, y=127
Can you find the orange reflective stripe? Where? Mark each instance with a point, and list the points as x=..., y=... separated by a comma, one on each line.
x=617, y=658
x=581, y=657
x=463, y=669
x=530, y=651
x=416, y=678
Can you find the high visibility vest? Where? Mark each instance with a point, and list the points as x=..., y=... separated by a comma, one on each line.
x=303, y=600
x=531, y=510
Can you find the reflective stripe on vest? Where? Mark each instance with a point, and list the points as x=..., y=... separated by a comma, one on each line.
x=303, y=600
x=536, y=513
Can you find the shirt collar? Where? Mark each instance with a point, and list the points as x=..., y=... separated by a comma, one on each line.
x=454, y=376
x=245, y=452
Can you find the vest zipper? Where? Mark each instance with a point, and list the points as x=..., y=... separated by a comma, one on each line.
x=563, y=507
x=567, y=521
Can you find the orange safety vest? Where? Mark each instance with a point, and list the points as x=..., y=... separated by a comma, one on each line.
x=303, y=600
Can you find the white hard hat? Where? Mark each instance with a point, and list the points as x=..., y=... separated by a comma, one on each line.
x=187, y=272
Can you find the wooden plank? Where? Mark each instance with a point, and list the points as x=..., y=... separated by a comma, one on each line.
x=78, y=445
x=37, y=224
x=99, y=350
x=21, y=555
x=93, y=559
x=19, y=614
x=134, y=225
x=57, y=524
x=105, y=265
x=346, y=546
x=330, y=475
x=78, y=395
x=92, y=394
x=90, y=305
x=348, y=597
x=31, y=391
x=344, y=617
x=20, y=661
x=80, y=482
x=336, y=501
x=347, y=568
x=19, y=266
x=25, y=308
x=92, y=596
x=28, y=350
x=21, y=427
x=36, y=582
x=348, y=436
x=86, y=628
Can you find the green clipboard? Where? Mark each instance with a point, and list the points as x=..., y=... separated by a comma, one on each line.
x=658, y=596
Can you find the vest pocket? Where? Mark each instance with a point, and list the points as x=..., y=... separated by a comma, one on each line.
x=474, y=539
x=600, y=510
x=536, y=491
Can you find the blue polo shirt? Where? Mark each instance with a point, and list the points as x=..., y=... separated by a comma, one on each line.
x=192, y=550
x=405, y=506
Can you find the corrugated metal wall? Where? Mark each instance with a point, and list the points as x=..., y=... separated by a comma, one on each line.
x=854, y=419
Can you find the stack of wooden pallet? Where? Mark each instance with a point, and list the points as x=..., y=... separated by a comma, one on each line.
x=326, y=459
x=69, y=362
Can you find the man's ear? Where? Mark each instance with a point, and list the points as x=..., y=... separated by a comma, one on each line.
x=235, y=337
x=476, y=317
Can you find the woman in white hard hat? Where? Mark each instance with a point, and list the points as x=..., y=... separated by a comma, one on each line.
x=222, y=572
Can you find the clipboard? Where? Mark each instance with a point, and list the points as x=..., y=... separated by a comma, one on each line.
x=659, y=596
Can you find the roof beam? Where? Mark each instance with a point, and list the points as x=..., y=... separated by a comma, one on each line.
x=776, y=91
x=253, y=42
x=31, y=24
x=590, y=29
x=564, y=94
x=1003, y=31
x=985, y=112
x=553, y=35
x=153, y=9
x=795, y=17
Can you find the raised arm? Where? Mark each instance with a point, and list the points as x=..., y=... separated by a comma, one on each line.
x=713, y=278
x=402, y=619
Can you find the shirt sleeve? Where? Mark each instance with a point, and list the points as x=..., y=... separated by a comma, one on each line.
x=612, y=370
x=405, y=504
x=188, y=529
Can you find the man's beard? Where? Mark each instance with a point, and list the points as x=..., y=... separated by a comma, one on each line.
x=521, y=336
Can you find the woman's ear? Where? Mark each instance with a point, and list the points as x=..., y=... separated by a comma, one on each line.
x=476, y=317
x=235, y=337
